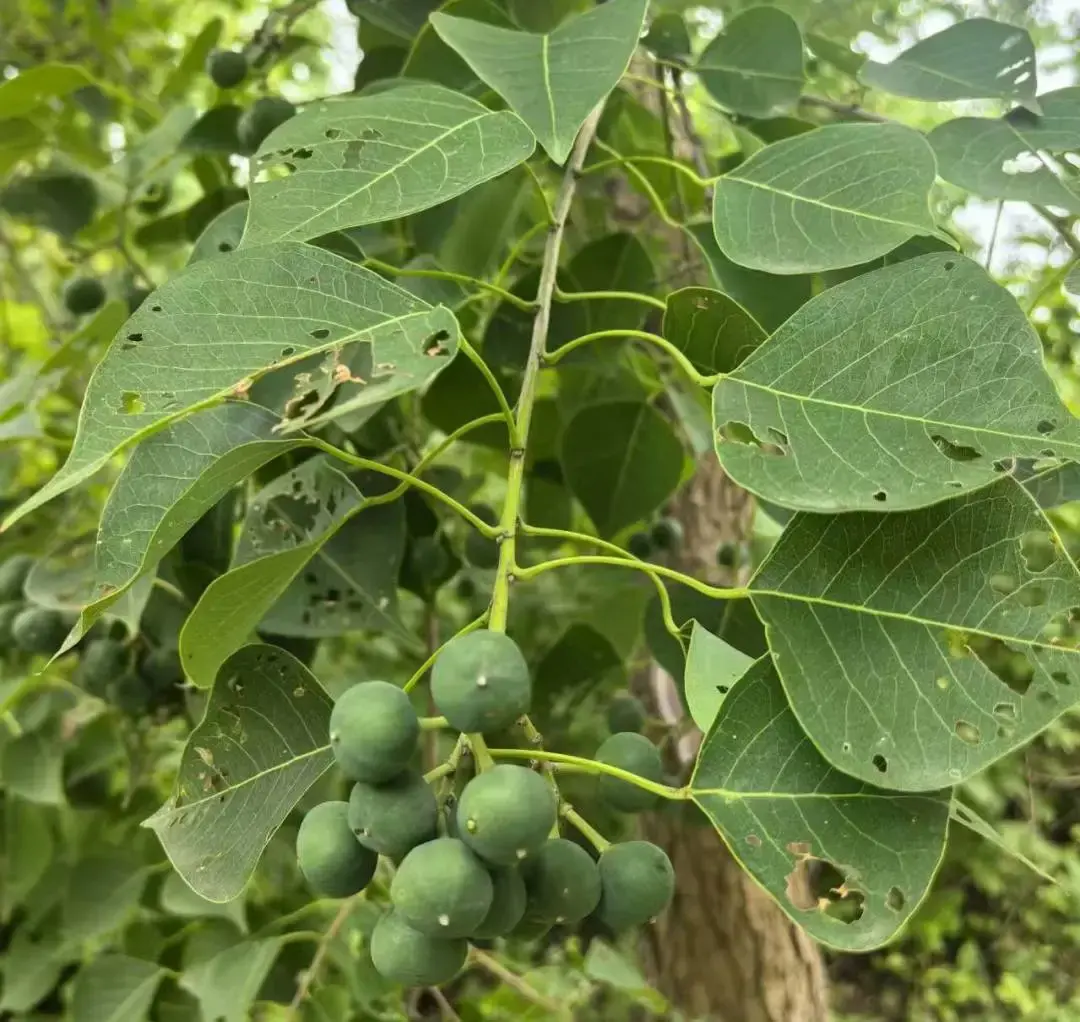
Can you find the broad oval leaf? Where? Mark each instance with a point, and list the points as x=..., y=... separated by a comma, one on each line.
x=366, y=159
x=228, y=984
x=172, y=478
x=350, y=582
x=893, y=390
x=837, y=196
x=1004, y=158
x=710, y=328
x=553, y=80
x=296, y=521
x=222, y=323
x=115, y=988
x=976, y=58
x=918, y=647
x=622, y=460
x=263, y=741
x=712, y=668
x=787, y=816
x=755, y=65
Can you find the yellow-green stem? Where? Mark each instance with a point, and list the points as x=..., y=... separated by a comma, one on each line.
x=480, y=752
x=554, y=357
x=426, y=665
x=590, y=766
x=573, y=817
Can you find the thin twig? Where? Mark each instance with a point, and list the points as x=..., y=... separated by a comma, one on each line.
x=323, y=949
x=697, y=147
x=1061, y=225
x=847, y=111
x=267, y=37
x=445, y=1006
x=492, y=965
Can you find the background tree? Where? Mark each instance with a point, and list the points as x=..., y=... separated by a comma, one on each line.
x=438, y=359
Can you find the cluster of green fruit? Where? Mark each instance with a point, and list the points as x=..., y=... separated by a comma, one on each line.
x=107, y=666
x=227, y=70
x=664, y=536
x=489, y=863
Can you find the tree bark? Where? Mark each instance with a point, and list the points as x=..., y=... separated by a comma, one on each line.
x=723, y=951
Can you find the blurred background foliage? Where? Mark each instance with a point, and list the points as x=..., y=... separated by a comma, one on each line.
x=117, y=183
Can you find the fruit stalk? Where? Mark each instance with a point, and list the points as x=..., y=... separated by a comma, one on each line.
x=508, y=524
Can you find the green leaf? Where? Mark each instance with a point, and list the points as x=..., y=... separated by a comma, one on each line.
x=263, y=741
x=214, y=132
x=32, y=767
x=893, y=390
x=837, y=196
x=222, y=234
x=1006, y=157
x=103, y=891
x=668, y=37
x=976, y=58
x=755, y=65
x=432, y=60
x=31, y=966
x=227, y=984
x=967, y=817
x=710, y=328
x=622, y=460
x=579, y=659
x=34, y=86
x=803, y=829
x=20, y=140
x=401, y=17
x=222, y=323
x=606, y=965
x=382, y=156
x=350, y=581
x=177, y=899
x=115, y=988
x=552, y=80
x=842, y=57
x=172, y=478
x=712, y=668
x=193, y=61
x=28, y=852
x=919, y=647
x=1051, y=485
x=1071, y=282
x=297, y=519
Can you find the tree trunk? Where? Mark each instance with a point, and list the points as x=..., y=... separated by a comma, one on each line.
x=723, y=951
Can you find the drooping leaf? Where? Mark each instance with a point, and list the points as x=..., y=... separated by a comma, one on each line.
x=227, y=984
x=263, y=741
x=34, y=86
x=32, y=767
x=977, y=58
x=918, y=647
x=710, y=328
x=755, y=65
x=712, y=668
x=848, y=862
x=377, y=157
x=103, y=891
x=28, y=851
x=837, y=196
x=350, y=581
x=1006, y=157
x=893, y=390
x=171, y=480
x=622, y=460
x=115, y=988
x=295, y=523
x=222, y=323
x=552, y=80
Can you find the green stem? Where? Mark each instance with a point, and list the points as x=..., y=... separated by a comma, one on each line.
x=442, y=770
x=480, y=752
x=457, y=278
x=426, y=665
x=433, y=723
x=507, y=412
x=500, y=598
x=644, y=184
x=590, y=766
x=717, y=592
x=1062, y=225
x=622, y=296
x=549, y=213
x=552, y=358
x=595, y=838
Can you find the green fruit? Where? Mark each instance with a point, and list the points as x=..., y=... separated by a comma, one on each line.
x=227, y=68
x=263, y=117
x=636, y=883
x=103, y=662
x=154, y=199
x=505, y=813
x=429, y=559
x=413, y=959
x=8, y=613
x=636, y=754
x=640, y=545
x=480, y=682
x=666, y=534
x=395, y=817
x=38, y=630
x=83, y=295
x=13, y=573
x=373, y=731
x=507, y=905
x=334, y=862
x=162, y=669
x=625, y=713
x=726, y=555
x=442, y=889
x=562, y=880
